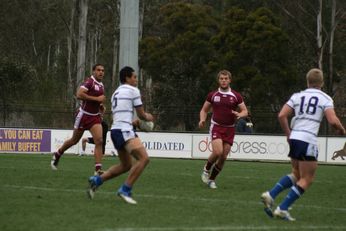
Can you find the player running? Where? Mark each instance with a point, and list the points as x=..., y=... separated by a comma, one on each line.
x=91, y=94
x=227, y=106
x=308, y=108
x=125, y=99
x=90, y=140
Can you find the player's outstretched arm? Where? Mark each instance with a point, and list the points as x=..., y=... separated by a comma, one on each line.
x=334, y=121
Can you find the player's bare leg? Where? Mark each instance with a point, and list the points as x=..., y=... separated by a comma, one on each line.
x=137, y=150
x=116, y=170
x=217, y=153
x=84, y=141
x=283, y=183
x=220, y=161
x=226, y=148
x=137, y=169
x=307, y=171
x=76, y=135
x=96, y=132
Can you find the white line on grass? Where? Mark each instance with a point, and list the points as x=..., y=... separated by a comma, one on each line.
x=166, y=197
x=221, y=228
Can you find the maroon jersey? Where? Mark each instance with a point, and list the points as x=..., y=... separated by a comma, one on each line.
x=222, y=104
x=94, y=88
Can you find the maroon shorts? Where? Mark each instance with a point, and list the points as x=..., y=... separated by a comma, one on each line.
x=85, y=122
x=226, y=134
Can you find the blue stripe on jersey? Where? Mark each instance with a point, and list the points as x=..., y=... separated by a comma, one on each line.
x=123, y=111
x=138, y=105
x=120, y=98
x=124, y=122
x=304, y=118
x=306, y=131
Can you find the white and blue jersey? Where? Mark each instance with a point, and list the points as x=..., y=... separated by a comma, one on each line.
x=309, y=107
x=124, y=100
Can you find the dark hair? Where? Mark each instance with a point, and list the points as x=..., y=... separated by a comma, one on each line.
x=96, y=65
x=125, y=72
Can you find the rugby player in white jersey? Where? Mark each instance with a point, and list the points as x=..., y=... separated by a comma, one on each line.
x=227, y=106
x=308, y=108
x=125, y=99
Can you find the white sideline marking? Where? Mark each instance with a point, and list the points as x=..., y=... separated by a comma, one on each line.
x=221, y=228
x=169, y=197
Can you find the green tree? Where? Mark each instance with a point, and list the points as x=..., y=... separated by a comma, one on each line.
x=17, y=83
x=256, y=50
x=179, y=61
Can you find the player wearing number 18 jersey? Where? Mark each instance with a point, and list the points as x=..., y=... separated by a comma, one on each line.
x=308, y=107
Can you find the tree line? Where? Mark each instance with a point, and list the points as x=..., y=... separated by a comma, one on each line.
x=49, y=47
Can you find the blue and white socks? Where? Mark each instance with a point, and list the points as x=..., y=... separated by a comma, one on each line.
x=284, y=183
x=295, y=192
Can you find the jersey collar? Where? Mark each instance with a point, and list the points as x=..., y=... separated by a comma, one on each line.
x=95, y=79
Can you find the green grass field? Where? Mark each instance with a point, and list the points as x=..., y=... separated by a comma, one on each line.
x=170, y=196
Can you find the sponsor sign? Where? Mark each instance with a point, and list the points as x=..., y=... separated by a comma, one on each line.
x=336, y=151
x=171, y=145
x=25, y=140
x=251, y=147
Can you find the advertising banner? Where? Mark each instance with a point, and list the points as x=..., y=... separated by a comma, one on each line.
x=25, y=140
x=170, y=145
x=336, y=151
x=252, y=147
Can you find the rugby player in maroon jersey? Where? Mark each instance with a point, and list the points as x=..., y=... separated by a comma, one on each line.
x=88, y=117
x=227, y=106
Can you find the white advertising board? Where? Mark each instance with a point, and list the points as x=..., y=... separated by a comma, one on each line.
x=252, y=147
x=246, y=147
x=176, y=145
x=58, y=137
x=336, y=151
x=170, y=145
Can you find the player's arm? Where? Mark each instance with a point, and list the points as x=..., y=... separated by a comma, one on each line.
x=102, y=109
x=144, y=115
x=204, y=113
x=334, y=121
x=82, y=95
x=242, y=111
x=286, y=111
